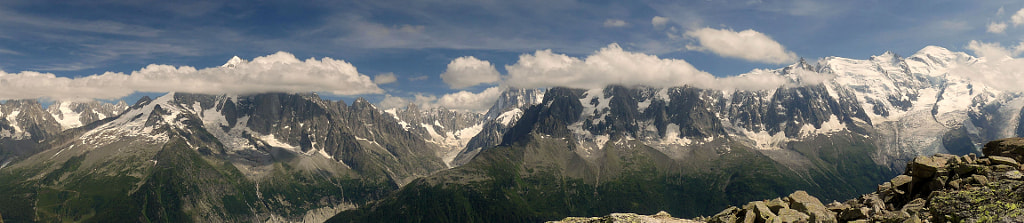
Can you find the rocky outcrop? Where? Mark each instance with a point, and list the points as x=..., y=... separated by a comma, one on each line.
x=938, y=188
x=660, y=217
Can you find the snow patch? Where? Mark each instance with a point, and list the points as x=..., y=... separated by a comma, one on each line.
x=643, y=105
x=672, y=136
x=272, y=141
x=833, y=125
x=509, y=116
x=68, y=119
x=13, y=120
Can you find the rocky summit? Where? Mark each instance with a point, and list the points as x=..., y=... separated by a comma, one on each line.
x=938, y=188
x=660, y=217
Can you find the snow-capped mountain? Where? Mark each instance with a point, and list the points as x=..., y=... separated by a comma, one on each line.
x=71, y=114
x=451, y=130
x=838, y=129
x=462, y=134
x=23, y=126
x=252, y=150
x=905, y=106
x=499, y=118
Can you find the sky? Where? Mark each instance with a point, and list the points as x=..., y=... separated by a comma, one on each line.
x=457, y=53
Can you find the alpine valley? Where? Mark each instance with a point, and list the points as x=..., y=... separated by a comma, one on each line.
x=841, y=128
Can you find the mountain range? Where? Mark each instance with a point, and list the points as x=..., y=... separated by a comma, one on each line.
x=839, y=129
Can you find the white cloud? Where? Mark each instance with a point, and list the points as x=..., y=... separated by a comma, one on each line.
x=996, y=27
x=463, y=101
x=469, y=71
x=659, y=22
x=419, y=78
x=471, y=102
x=997, y=66
x=615, y=23
x=1018, y=18
x=748, y=44
x=390, y=102
x=385, y=78
x=613, y=66
x=989, y=50
x=279, y=72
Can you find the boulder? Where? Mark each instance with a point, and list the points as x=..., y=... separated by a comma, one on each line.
x=914, y=206
x=762, y=211
x=790, y=215
x=900, y=180
x=749, y=216
x=925, y=166
x=728, y=215
x=1003, y=168
x=980, y=179
x=965, y=169
x=996, y=160
x=803, y=202
x=1008, y=147
x=776, y=204
x=956, y=184
x=854, y=214
x=1013, y=174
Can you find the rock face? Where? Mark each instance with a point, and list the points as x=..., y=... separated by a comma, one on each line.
x=1009, y=147
x=797, y=207
x=939, y=188
x=209, y=158
x=24, y=125
x=660, y=217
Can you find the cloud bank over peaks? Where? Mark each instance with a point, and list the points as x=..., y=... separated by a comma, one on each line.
x=748, y=45
x=997, y=66
x=279, y=72
x=463, y=101
x=614, y=66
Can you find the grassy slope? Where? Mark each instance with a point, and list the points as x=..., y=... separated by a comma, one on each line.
x=539, y=180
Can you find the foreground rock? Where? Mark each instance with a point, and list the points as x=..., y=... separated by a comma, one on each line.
x=938, y=188
x=660, y=217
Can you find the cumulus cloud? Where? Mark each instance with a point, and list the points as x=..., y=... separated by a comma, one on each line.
x=1018, y=18
x=615, y=23
x=614, y=66
x=279, y=72
x=997, y=66
x=385, y=78
x=659, y=22
x=390, y=101
x=748, y=45
x=463, y=101
x=996, y=27
x=989, y=50
x=469, y=71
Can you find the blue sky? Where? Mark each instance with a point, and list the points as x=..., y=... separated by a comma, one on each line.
x=416, y=40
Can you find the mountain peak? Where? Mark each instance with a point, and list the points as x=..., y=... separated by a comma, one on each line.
x=234, y=61
x=934, y=50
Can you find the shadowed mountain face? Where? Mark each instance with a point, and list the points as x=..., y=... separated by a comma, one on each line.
x=586, y=152
x=182, y=157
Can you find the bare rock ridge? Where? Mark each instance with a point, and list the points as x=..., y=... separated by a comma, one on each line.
x=660, y=217
x=938, y=188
